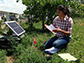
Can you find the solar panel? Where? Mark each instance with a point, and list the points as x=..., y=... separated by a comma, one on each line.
x=15, y=27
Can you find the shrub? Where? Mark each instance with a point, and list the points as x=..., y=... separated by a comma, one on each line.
x=3, y=56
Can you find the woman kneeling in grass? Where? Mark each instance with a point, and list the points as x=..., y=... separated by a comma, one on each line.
x=63, y=23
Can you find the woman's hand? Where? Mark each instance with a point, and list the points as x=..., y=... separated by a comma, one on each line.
x=45, y=25
x=57, y=29
x=62, y=31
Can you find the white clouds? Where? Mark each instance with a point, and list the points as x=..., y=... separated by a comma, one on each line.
x=12, y=6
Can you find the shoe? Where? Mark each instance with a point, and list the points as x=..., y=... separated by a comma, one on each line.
x=52, y=50
x=48, y=52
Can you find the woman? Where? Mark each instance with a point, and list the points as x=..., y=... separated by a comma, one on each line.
x=63, y=23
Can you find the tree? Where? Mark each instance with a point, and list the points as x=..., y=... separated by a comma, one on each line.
x=40, y=9
x=82, y=1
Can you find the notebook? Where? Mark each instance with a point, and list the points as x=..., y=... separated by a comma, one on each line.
x=67, y=56
x=51, y=27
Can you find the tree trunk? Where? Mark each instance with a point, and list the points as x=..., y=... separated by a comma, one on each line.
x=42, y=24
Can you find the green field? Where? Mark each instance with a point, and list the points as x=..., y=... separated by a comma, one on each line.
x=27, y=52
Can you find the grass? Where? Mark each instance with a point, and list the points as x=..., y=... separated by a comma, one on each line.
x=27, y=52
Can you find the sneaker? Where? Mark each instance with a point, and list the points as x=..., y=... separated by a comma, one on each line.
x=52, y=50
x=48, y=52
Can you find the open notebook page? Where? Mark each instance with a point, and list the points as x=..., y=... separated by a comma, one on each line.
x=51, y=27
x=67, y=56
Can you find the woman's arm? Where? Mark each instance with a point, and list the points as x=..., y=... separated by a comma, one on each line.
x=62, y=31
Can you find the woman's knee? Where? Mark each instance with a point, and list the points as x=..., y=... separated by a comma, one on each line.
x=56, y=45
x=59, y=43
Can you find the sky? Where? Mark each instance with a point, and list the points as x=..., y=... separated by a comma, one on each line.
x=12, y=6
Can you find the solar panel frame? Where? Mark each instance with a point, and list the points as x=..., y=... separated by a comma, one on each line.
x=18, y=34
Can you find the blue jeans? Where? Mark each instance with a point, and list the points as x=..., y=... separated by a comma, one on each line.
x=56, y=42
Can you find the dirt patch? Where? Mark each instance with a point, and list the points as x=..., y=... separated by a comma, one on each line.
x=10, y=59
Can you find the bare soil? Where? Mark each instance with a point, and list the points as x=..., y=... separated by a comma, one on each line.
x=10, y=59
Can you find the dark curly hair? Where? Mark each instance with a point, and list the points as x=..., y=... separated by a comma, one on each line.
x=64, y=9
